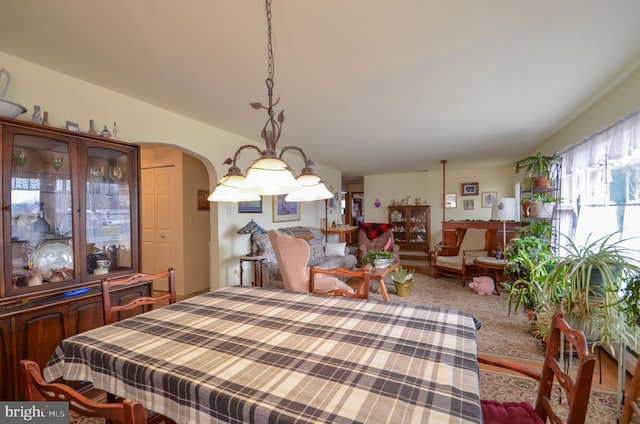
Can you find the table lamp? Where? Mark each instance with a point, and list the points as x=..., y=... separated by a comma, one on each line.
x=252, y=228
x=504, y=209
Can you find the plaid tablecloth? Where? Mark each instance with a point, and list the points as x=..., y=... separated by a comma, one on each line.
x=247, y=354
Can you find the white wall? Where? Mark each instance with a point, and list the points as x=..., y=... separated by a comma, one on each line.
x=70, y=99
x=195, y=226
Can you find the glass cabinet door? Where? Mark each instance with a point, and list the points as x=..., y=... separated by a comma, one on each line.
x=42, y=228
x=418, y=225
x=108, y=211
x=397, y=217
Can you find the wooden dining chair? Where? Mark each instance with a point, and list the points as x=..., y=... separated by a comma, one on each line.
x=631, y=394
x=38, y=390
x=358, y=280
x=109, y=284
x=577, y=387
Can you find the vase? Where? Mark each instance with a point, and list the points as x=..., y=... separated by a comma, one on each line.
x=541, y=209
x=381, y=263
x=404, y=289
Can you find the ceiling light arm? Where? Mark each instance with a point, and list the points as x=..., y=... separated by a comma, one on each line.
x=307, y=162
x=233, y=169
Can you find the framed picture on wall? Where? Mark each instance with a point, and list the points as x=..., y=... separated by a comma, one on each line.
x=203, y=201
x=469, y=204
x=285, y=211
x=450, y=200
x=252, y=206
x=469, y=189
x=488, y=197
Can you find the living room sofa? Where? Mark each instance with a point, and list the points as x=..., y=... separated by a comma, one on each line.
x=323, y=255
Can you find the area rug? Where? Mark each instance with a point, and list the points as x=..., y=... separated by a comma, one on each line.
x=503, y=333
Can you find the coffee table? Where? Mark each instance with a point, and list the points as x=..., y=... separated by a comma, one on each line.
x=380, y=273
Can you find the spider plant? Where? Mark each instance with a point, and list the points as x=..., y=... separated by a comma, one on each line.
x=588, y=285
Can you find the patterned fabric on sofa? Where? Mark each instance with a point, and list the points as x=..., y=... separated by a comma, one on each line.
x=316, y=240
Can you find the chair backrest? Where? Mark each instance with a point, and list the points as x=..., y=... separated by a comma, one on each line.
x=474, y=239
x=576, y=387
x=365, y=244
x=109, y=284
x=293, y=257
x=38, y=390
x=631, y=393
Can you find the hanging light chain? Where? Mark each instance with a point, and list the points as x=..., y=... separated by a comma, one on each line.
x=273, y=127
x=270, y=64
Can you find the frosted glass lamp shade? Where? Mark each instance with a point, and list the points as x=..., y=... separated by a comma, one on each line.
x=313, y=188
x=270, y=176
x=229, y=189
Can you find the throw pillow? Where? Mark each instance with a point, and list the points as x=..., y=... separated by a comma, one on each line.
x=335, y=249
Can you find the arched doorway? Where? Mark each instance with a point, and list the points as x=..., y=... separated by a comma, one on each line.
x=175, y=228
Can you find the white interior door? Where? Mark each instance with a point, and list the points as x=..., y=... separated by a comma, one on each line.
x=158, y=220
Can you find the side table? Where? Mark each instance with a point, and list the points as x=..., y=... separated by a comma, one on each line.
x=257, y=261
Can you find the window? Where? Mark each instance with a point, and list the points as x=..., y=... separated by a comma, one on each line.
x=601, y=185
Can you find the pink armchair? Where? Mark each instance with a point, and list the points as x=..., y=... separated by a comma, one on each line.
x=293, y=258
x=374, y=237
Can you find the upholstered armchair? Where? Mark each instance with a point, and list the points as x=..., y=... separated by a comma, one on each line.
x=372, y=236
x=293, y=259
x=457, y=260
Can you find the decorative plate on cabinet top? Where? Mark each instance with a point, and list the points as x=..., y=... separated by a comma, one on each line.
x=51, y=256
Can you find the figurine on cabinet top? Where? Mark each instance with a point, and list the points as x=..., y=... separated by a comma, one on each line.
x=37, y=116
x=105, y=132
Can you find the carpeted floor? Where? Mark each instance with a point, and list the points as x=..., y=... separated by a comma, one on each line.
x=502, y=335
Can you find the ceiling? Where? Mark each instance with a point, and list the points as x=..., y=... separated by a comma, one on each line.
x=368, y=86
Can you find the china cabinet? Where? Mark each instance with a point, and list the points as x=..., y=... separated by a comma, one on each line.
x=412, y=227
x=70, y=209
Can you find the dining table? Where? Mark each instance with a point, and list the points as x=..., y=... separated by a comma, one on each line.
x=249, y=354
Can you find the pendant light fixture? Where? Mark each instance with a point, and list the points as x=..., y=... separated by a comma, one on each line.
x=270, y=174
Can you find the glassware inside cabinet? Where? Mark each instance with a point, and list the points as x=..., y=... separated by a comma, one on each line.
x=108, y=212
x=41, y=206
x=418, y=227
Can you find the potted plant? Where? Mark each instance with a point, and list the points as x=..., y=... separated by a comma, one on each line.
x=540, y=229
x=379, y=259
x=527, y=263
x=588, y=285
x=528, y=258
x=541, y=205
x=539, y=168
x=403, y=280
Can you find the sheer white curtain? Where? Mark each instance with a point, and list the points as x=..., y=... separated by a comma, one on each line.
x=600, y=184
